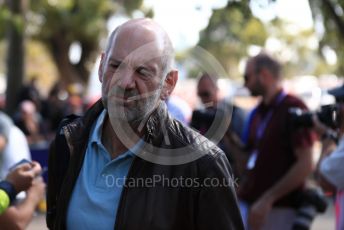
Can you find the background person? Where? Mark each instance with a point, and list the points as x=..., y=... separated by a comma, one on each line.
x=330, y=166
x=30, y=122
x=203, y=119
x=14, y=146
x=279, y=157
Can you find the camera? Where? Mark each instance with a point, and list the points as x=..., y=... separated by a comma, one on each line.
x=208, y=121
x=203, y=116
x=312, y=201
x=327, y=115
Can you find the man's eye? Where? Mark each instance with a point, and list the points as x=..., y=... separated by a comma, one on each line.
x=114, y=65
x=142, y=71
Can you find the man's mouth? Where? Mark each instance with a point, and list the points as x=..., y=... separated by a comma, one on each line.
x=122, y=100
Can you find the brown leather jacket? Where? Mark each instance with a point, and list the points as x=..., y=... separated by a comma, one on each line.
x=208, y=202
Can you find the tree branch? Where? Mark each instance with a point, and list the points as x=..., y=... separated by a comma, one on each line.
x=337, y=19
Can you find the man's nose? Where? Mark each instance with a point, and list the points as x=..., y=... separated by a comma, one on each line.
x=126, y=80
x=245, y=79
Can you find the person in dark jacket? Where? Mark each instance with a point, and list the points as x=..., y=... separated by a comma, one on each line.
x=204, y=119
x=126, y=164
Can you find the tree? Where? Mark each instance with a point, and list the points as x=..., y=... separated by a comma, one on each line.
x=329, y=14
x=231, y=30
x=296, y=49
x=58, y=24
x=15, y=52
x=234, y=29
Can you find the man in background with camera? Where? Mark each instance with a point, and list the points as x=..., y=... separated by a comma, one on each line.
x=279, y=156
x=330, y=167
x=204, y=119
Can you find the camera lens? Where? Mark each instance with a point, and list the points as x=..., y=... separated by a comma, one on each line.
x=305, y=216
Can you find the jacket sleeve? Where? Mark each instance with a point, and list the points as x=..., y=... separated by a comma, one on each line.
x=218, y=206
x=51, y=188
x=57, y=165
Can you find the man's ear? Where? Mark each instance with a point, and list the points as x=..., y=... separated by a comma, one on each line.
x=3, y=142
x=100, y=68
x=169, y=84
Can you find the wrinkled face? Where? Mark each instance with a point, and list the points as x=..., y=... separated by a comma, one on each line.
x=252, y=81
x=131, y=77
x=207, y=91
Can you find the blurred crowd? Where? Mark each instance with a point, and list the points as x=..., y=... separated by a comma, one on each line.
x=39, y=117
x=31, y=129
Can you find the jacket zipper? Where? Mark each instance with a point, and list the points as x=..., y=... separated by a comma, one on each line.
x=118, y=221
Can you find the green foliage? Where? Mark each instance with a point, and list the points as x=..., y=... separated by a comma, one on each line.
x=131, y=5
x=297, y=50
x=329, y=15
x=6, y=17
x=230, y=32
x=77, y=20
x=59, y=23
x=234, y=29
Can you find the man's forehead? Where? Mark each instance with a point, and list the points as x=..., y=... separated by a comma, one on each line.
x=206, y=82
x=137, y=35
x=249, y=66
x=135, y=58
x=135, y=48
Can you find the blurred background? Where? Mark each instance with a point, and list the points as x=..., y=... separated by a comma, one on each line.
x=48, y=42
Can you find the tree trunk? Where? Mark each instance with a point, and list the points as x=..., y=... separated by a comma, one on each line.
x=59, y=49
x=15, y=57
x=337, y=19
x=68, y=72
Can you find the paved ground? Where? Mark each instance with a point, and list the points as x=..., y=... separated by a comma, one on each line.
x=322, y=222
x=325, y=221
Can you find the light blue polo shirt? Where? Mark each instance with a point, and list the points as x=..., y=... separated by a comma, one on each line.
x=98, y=189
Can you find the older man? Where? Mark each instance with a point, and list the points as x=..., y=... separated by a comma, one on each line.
x=127, y=164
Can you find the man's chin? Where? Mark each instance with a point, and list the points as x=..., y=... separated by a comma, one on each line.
x=128, y=115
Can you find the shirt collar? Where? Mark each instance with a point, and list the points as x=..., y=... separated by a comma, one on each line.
x=97, y=135
x=97, y=130
x=133, y=150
